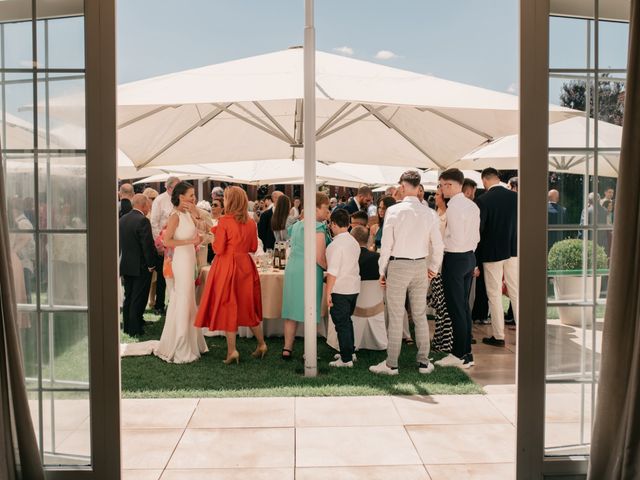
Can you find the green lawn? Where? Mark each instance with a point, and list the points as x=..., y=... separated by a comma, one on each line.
x=150, y=377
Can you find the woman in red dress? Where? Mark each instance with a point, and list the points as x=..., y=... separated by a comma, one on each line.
x=231, y=296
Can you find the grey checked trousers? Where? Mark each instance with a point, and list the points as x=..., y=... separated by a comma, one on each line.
x=407, y=277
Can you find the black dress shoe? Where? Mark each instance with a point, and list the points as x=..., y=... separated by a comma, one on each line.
x=511, y=322
x=493, y=341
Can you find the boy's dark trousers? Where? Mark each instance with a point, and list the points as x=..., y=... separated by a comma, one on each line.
x=341, y=312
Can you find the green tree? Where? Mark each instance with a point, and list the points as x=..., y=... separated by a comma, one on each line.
x=610, y=97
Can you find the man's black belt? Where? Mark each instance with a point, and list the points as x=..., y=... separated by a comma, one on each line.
x=403, y=258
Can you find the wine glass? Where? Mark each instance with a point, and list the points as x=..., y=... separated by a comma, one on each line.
x=269, y=259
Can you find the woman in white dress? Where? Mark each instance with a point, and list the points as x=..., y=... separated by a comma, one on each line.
x=181, y=341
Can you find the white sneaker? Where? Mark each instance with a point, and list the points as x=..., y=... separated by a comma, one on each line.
x=426, y=369
x=383, y=369
x=339, y=363
x=354, y=358
x=450, y=361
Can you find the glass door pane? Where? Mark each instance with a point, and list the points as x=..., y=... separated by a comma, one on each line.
x=586, y=74
x=42, y=136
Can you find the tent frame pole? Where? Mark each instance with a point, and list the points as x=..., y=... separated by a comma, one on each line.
x=309, y=126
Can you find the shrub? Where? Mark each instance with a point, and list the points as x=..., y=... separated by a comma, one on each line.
x=567, y=255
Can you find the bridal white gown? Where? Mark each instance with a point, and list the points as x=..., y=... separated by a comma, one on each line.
x=181, y=342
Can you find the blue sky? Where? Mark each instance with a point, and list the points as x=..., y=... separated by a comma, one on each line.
x=471, y=41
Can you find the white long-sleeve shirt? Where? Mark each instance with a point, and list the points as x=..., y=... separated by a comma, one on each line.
x=160, y=211
x=462, y=233
x=411, y=230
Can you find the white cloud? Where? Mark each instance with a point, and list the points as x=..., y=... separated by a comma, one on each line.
x=512, y=88
x=344, y=50
x=385, y=55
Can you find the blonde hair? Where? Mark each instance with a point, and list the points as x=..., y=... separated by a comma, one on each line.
x=150, y=193
x=236, y=203
x=321, y=199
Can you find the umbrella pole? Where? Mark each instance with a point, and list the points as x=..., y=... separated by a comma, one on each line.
x=309, y=124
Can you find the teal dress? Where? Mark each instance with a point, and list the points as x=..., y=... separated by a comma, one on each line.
x=293, y=292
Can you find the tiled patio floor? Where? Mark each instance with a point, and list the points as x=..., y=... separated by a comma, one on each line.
x=417, y=437
x=431, y=437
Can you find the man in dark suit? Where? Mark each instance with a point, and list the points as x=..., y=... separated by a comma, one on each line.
x=497, y=249
x=265, y=232
x=126, y=194
x=556, y=215
x=368, y=261
x=360, y=202
x=138, y=258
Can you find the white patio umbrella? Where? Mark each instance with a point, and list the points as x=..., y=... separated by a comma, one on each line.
x=567, y=137
x=373, y=174
x=252, y=109
x=163, y=177
x=268, y=172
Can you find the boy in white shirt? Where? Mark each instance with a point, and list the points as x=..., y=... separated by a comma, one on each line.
x=343, y=284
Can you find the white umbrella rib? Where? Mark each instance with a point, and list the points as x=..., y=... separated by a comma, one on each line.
x=376, y=113
x=199, y=123
x=457, y=122
x=144, y=115
x=275, y=122
x=268, y=129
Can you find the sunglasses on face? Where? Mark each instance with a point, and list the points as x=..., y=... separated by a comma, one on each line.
x=216, y=205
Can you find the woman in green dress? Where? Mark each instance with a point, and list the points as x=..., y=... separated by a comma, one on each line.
x=293, y=292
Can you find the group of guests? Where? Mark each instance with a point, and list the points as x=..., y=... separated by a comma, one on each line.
x=417, y=253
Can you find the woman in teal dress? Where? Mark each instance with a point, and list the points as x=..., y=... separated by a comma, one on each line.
x=293, y=292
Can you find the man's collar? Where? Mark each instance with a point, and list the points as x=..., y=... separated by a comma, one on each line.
x=495, y=185
x=411, y=198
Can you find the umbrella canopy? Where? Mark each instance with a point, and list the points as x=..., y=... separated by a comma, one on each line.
x=252, y=109
x=572, y=134
x=163, y=177
x=268, y=172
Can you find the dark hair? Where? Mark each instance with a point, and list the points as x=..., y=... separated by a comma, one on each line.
x=490, y=172
x=280, y=213
x=387, y=201
x=365, y=191
x=268, y=197
x=180, y=189
x=219, y=200
x=452, y=174
x=359, y=214
x=606, y=202
x=340, y=217
x=469, y=183
x=412, y=177
x=513, y=181
x=361, y=234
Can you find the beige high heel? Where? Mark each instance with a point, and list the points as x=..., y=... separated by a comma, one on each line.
x=260, y=352
x=235, y=357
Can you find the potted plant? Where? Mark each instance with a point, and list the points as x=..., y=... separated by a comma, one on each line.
x=565, y=266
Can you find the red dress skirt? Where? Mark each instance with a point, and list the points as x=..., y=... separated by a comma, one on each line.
x=231, y=297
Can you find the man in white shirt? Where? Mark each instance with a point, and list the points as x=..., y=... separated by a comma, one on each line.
x=461, y=237
x=160, y=211
x=410, y=254
x=343, y=284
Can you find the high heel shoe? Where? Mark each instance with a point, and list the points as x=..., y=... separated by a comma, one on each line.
x=235, y=357
x=287, y=354
x=260, y=352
